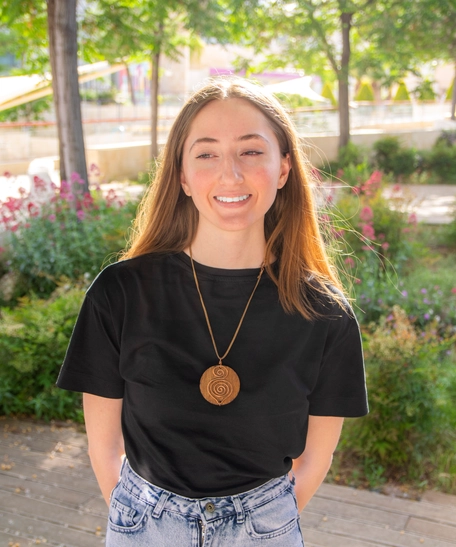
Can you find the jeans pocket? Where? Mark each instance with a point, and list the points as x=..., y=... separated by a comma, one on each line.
x=127, y=513
x=275, y=518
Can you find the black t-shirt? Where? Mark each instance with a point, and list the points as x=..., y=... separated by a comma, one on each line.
x=141, y=335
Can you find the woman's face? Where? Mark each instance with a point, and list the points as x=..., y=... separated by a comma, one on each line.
x=232, y=166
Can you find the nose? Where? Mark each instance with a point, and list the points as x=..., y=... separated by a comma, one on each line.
x=231, y=172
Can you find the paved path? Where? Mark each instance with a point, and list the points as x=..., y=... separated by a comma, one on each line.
x=49, y=496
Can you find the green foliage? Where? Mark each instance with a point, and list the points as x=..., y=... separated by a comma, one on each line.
x=447, y=137
x=293, y=101
x=33, y=340
x=365, y=93
x=424, y=91
x=351, y=154
x=327, y=93
x=441, y=161
x=402, y=94
x=70, y=236
x=411, y=380
x=106, y=96
x=449, y=95
x=33, y=111
x=391, y=157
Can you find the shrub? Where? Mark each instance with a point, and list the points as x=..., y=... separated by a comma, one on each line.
x=328, y=94
x=351, y=154
x=424, y=91
x=402, y=94
x=390, y=157
x=365, y=93
x=293, y=101
x=33, y=340
x=441, y=161
x=411, y=380
x=32, y=111
x=449, y=95
x=447, y=137
x=55, y=239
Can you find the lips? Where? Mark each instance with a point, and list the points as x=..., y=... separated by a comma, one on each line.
x=232, y=199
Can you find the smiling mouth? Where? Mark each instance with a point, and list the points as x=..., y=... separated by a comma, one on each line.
x=233, y=199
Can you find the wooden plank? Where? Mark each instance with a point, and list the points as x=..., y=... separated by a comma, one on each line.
x=364, y=498
x=357, y=512
x=441, y=531
x=378, y=534
x=325, y=539
x=50, y=512
x=439, y=498
x=29, y=531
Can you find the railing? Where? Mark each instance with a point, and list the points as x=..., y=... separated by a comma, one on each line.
x=108, y=124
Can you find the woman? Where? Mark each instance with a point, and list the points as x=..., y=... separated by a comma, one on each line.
x=219, y=355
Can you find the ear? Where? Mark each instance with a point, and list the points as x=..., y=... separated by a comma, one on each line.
x=285, y=168
x=184, y=184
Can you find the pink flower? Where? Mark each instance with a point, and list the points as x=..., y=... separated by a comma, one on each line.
x=367, y=248
x=80, y=214
x=367, y=214
x=358, y=281
x=52, y=218
x=39, y=183
x=14, y=227
x=7, y=174
x=94, y=170
x=2, y=250
x=22, y=191
x=368, y=231
x=453, y=290
x=412, y=219
x=349, y=261
x=385, y=245
x=356, y=190
x=325, y=218
x=396, y=188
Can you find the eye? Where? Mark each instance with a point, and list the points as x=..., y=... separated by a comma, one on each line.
x=204, y=156
x=252, y=153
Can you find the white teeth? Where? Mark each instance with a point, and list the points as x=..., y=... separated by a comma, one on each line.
x=231, y=200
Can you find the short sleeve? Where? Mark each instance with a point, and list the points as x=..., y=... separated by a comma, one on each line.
x=340, y=389
x=91, y=364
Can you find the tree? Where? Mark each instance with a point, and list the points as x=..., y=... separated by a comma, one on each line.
x=51, y=27
x=423, y=29
x=63, y=51
x=312, y=35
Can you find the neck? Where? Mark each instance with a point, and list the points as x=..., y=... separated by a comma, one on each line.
x=232, y=250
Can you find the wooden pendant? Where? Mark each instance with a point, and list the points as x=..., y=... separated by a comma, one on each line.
x=220, y=385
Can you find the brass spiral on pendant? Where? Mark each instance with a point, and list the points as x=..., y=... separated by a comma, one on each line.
x=220, y=385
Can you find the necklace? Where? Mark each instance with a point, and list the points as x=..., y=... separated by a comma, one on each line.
x=220, y=384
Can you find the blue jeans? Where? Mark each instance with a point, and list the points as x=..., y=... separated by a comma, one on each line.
x=142, y=514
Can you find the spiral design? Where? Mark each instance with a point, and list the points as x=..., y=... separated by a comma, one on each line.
x=219, y=385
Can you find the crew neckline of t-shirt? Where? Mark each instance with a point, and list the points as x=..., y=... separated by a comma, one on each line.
x=202, y=269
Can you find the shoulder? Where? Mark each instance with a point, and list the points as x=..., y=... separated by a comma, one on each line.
x=115, y=281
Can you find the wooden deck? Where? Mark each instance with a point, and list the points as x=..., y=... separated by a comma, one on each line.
x=49, y=496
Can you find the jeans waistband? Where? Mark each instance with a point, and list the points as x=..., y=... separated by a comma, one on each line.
x=208, y=508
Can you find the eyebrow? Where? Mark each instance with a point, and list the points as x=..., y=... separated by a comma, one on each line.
x=248, y=137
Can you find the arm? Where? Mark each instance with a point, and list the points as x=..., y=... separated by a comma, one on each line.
x=106, y=447
x=312, y=466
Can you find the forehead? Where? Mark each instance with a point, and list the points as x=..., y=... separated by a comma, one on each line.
x=230, y=117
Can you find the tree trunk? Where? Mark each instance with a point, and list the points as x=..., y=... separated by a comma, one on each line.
x=130, y=85
x=342, y=76
x=51, y=34
x=154, y=105
x=67, y=87
x=453, y=97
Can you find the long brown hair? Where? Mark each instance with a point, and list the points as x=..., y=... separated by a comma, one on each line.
x=167, y=219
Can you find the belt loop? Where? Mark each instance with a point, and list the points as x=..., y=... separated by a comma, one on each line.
x=291, y=477
x=158, y=510
x=240, y=515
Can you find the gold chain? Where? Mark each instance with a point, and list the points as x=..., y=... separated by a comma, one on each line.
x=207, y=317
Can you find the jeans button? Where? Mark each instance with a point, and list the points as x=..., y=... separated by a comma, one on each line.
x=210, y=507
